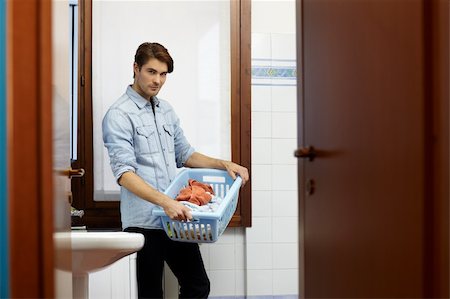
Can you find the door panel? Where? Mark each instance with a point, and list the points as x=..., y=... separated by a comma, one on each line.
x=364, y=111
x=29, y=160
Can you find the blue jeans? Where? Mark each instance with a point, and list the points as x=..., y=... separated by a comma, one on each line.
x=184, y=259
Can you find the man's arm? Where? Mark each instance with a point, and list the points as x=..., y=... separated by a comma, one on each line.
x=197, y=160
x=138, y=186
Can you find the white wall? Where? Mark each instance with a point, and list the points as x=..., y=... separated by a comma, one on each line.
x=263, y=260
x=272, y=242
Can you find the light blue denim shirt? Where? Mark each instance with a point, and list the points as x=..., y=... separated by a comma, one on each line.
x=151, y=145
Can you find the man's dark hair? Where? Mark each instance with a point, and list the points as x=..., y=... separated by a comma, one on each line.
x=146, y=51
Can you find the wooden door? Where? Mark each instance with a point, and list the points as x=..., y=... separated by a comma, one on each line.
x=29, y=133
x=367, y=104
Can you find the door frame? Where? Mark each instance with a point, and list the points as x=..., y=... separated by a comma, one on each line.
x=29, y=134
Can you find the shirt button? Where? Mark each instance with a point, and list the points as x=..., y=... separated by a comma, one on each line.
x=167, y=164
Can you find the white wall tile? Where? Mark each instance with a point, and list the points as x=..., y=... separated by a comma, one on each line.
x=261, y=125
x=285, y=203
x=221, y=257
x=259, y=256
x=241, y=283
x=284, y=98
x=285, y=256
x=285, y=229
x=100, y=284
x=239, y=235
x=223, y=282
x=261, y=176
x=284, y=125
x=285, y=282
x=204, y=250
x=120, y=277
x=133, y=279
x=170, y=283
x=227, y=237
x=262, y=203
x=259, y=282
x=261, y=151
x=261, y=46
x=239, y=254
x=284, y=62
x=261, y=230
x=284, y=177
x=283, y=46
x=283, y=151
x=273, y=16
x=261, y=98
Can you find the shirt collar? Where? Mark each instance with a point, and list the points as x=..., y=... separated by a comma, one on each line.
x=138, y=99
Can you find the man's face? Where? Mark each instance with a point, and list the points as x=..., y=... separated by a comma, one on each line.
x=150, y=78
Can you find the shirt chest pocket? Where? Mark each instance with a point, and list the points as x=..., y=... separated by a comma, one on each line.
x=170, y=137
x=145, y=140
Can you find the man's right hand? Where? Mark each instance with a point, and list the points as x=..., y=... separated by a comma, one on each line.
x=138, y=186
x=177, y=211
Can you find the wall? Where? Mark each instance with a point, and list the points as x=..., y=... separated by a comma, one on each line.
x=263, y=260
x=272, y=242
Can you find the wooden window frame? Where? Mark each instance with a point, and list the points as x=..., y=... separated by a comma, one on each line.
x=106, y=215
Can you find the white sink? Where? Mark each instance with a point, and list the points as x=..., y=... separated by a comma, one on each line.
x=92, y=251
x=82, y=252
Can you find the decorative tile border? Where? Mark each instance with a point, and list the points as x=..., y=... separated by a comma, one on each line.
x=278, y=72
x=274, y=72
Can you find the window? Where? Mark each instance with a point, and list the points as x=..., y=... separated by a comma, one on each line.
x=101, y=206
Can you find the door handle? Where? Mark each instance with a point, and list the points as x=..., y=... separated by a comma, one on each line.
x=306, y=152
x=74, y=173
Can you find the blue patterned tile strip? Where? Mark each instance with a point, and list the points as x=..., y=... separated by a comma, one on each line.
x=274, y=72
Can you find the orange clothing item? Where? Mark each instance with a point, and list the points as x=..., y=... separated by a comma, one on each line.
x=196, y=193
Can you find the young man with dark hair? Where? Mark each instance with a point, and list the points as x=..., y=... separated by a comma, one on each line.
x=146, y=145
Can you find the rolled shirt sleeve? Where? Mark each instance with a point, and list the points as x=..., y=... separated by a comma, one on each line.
x=118, y=139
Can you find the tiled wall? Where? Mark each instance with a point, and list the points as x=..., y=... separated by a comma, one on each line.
x=265, y=256
x=225, y=263
x=272, y=242
x=262, y=261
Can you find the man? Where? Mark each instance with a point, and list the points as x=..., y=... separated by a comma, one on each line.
x=146, y=144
